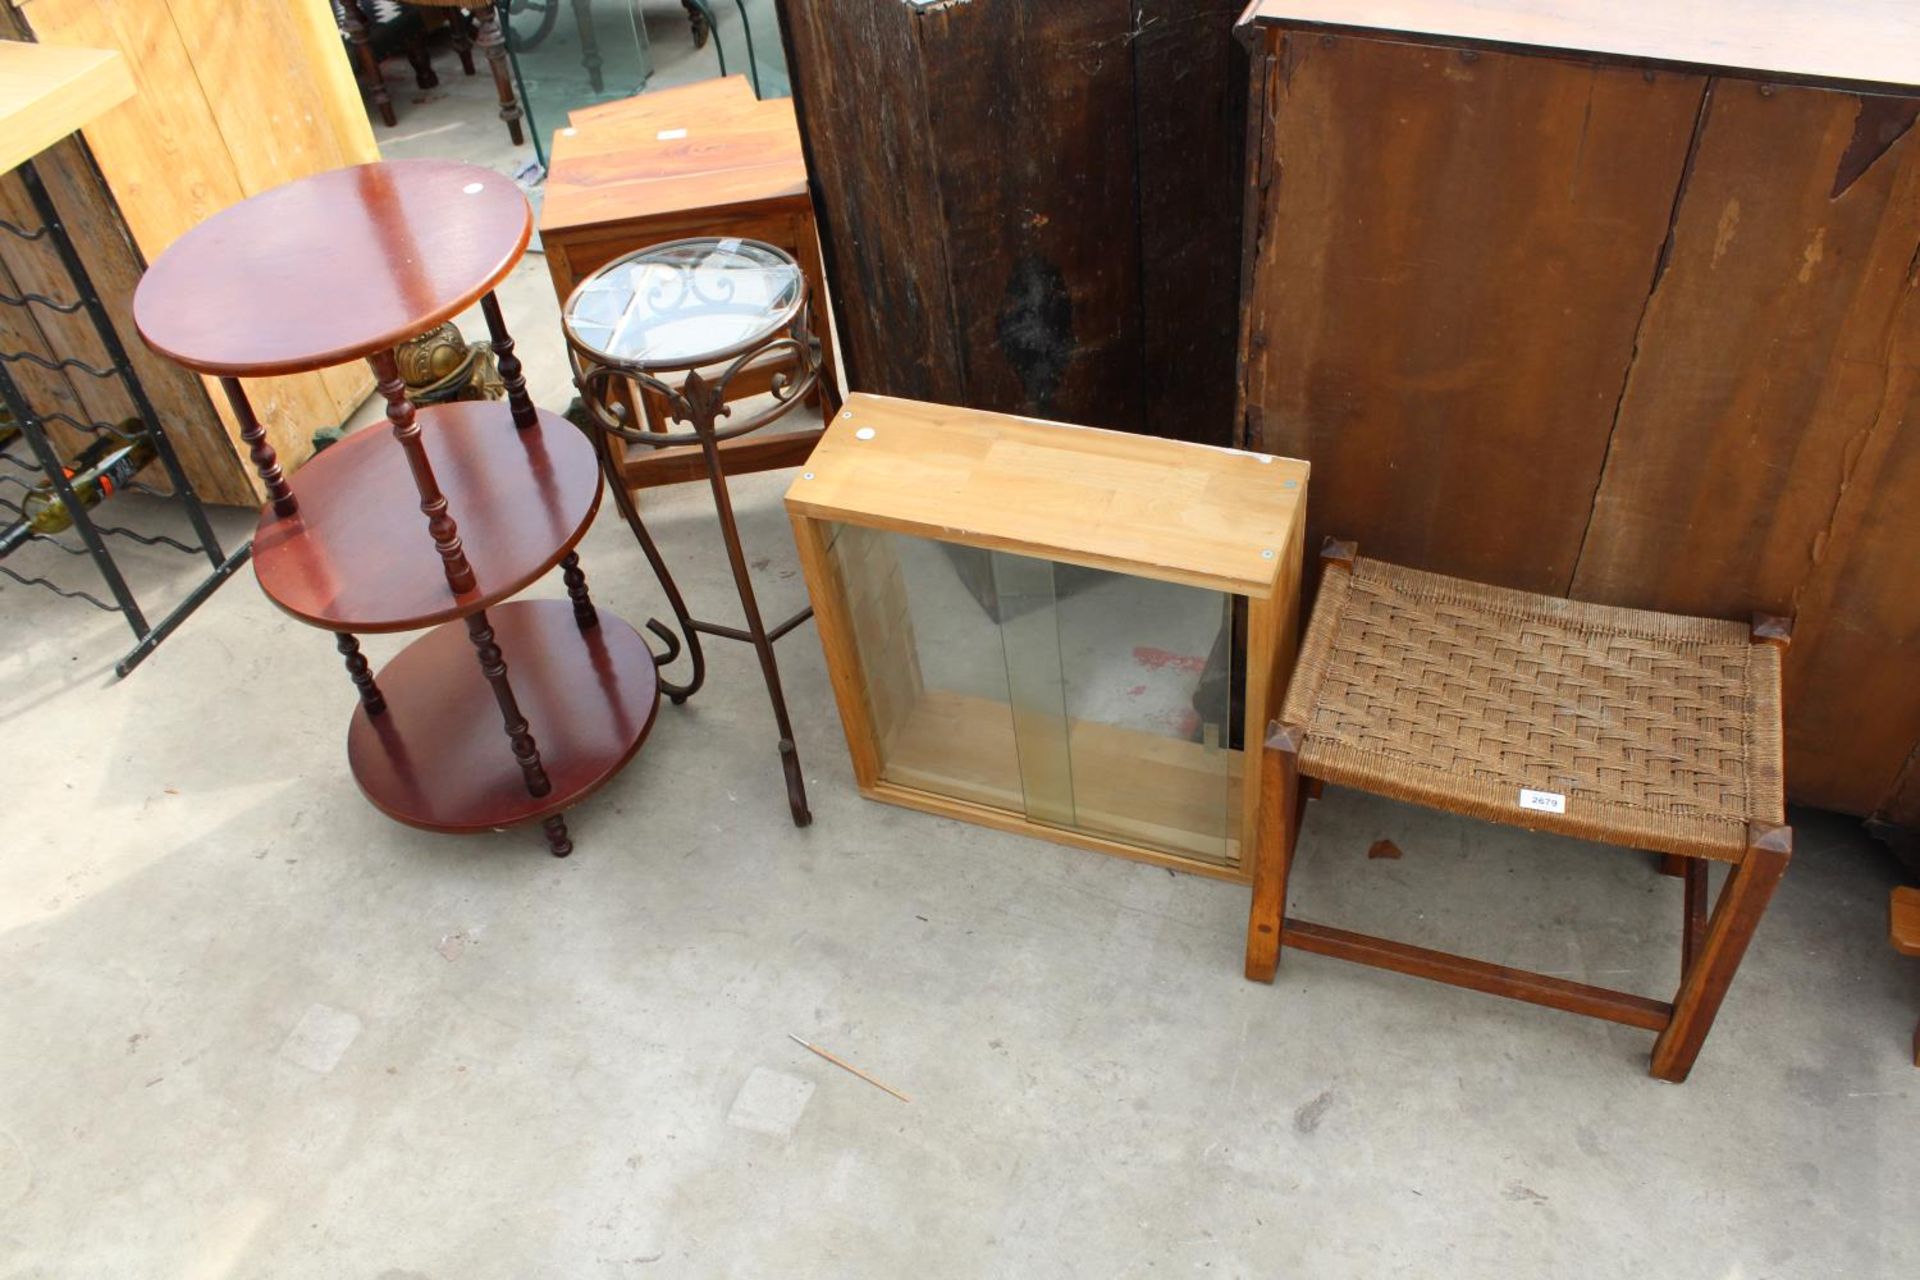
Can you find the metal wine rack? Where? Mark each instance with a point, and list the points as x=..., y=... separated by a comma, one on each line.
x=45, y=463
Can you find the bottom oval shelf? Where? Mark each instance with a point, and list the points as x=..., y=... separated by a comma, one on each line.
x=438, y=756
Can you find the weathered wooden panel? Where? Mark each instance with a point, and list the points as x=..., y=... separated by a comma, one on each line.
x=1027, y=206
x=1190, y=126
x=1029, y=111
x=1765, y=455
x=1422, y=220
x=1741, y=420
x=863, y=123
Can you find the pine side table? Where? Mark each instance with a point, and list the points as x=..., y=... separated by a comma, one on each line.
x=344, y=266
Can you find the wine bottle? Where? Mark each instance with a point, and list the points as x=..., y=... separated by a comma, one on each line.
x=100, y=471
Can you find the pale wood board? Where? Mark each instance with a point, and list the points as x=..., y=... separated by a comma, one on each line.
x=1222, y=519
x=1001, y=820
x=47, y=92
x=215, y=119
x=1858, y=41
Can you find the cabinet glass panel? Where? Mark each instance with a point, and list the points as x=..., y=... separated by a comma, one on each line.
x=1079, y=698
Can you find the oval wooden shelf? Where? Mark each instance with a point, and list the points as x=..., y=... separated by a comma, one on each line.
x=333, y=267
x=437, y=757
x=358, y=557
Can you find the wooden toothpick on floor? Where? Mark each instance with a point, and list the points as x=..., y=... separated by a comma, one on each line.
x=847, y=1066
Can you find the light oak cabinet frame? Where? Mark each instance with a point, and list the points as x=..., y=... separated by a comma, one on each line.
x=1223, y=520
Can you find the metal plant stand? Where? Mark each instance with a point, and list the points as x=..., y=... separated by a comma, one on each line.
x=681, y=321
x=46, y=461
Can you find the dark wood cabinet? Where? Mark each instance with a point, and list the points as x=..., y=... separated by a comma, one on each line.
x=1617, y=301
x=1028, y=206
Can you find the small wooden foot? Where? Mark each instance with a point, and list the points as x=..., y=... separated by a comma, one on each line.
x=559, y=843
x=1743, y=900
x=1279, y=828
x=796, y=784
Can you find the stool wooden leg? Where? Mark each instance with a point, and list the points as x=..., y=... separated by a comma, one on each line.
x=1742, y=902
x=1280, y=808
x=1693, y=927
x=1673, y=864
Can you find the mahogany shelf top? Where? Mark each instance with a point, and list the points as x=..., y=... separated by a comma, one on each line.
x=358, y=557
x=1871, y=42
x=333, y=267
x=436, y=758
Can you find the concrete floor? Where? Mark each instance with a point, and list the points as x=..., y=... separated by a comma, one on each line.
x=250, y=1028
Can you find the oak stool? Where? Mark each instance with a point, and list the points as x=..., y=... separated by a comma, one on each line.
x=1647, y=730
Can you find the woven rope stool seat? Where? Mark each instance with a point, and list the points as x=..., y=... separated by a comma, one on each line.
x=1646, y=730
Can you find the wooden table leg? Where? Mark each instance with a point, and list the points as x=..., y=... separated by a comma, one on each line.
x=589, y=43
x=1743, y=900
x=1279, y=829
x=494, y=46
x=433, y=503
x=462, y=40
x=266, y=463
x=493, y=665
x=576, y=579
x=511, y=377
x=355, y=22
x=361, y=675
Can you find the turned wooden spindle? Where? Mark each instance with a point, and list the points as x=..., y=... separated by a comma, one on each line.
x=494, y=45
x=433, y=503
x=361, y=673
x=354, y=21
x=559, y=843
x=493, y=665
x=524, y=414
x=265, y=461
x=576, y=579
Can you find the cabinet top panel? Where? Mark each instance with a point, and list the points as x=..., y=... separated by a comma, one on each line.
x=1218, y=518
x=1863, y=42
x=47, y=91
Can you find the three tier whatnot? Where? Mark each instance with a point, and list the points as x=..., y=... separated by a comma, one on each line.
x=344, y=266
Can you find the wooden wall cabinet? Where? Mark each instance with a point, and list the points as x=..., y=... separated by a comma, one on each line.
x=1613, y=300
x=231, y=99
x=1030, y=206
x=1035, y=716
